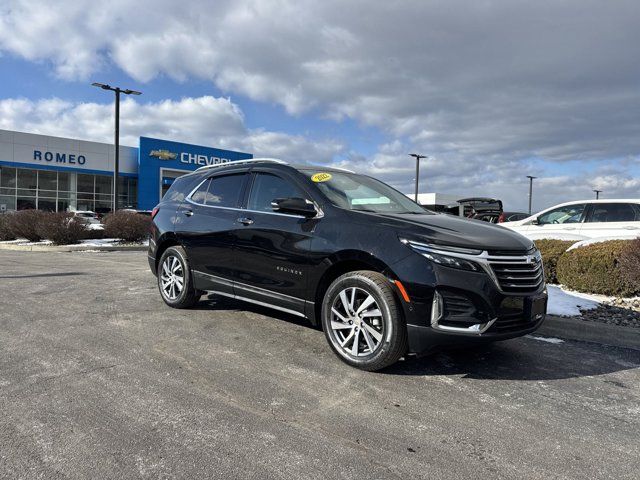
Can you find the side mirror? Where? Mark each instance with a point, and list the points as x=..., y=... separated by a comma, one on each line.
x=534, y=221
x=295, y=206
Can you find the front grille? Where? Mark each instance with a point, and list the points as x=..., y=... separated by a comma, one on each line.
x=517, y=273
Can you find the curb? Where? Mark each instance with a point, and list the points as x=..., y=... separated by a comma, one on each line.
x=74, y=248
x=575, y=329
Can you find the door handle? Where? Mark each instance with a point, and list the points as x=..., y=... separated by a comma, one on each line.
x=245, y=221
x=188, y=213
x=570, y=228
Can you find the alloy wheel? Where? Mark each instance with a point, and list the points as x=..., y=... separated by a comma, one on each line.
x=172, y=277
x=357, y=322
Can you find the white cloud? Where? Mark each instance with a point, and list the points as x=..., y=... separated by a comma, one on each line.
x=204, y=120
x=483, y=88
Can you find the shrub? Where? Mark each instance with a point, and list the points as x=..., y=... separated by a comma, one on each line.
x=630, y=261
x=5, y=228
x=127, y=226
x=551, y=251
x=24, y=224
x=93, y=234
x=596, y=268
x=61, y=228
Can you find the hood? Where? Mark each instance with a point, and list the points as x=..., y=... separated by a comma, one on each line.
x=454, y=231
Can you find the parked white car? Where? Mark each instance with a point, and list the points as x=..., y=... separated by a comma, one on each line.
x=583, y=220
x=89, y=218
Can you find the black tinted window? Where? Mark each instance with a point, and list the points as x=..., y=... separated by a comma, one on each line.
x=200, y=194
x=613, y=212
x=266, y=188
x=176, y=192
x=224, y=191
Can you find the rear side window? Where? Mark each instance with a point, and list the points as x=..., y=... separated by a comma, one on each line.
x=176, y=192
x=614, y=212
x=222, y=191
x=200, y=195
x=266, y=188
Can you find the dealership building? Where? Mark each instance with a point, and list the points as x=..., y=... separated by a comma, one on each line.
x=58, y=174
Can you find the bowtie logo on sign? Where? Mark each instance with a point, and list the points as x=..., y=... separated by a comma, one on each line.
x=163, y=154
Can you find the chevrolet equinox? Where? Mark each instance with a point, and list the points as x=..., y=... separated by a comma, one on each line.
x=380, y=275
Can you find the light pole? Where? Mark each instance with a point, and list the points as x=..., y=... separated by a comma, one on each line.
x=116, y=166
x=417, y=157
x=598, y=192
x=530, y=190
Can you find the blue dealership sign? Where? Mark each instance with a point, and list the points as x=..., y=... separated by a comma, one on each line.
x=156, y=156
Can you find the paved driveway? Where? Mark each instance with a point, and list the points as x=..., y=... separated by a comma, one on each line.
x=99, y=379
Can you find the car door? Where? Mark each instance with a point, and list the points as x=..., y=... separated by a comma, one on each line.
x=563, y=222
x=272, y=249
x=615, y=219
x=206, y=223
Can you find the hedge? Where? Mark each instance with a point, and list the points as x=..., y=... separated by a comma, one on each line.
x=551, y=251
x=596, y=268
x=630, y=261
x=128, y=226
x=5, y=228
x=62, y=228
x=24, y=224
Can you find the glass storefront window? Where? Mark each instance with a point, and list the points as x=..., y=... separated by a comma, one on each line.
x=63, y=205
x=47, y=181
x=27, y=179
x=25, y=203
x=8, y=201
x=63, y=182
x=103, y=184
x=8, y=177
x=47, y=204
x=85, y=183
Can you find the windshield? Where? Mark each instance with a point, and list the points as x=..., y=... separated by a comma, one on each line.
x=358, y=192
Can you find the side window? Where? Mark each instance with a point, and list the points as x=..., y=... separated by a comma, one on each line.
x=566, y=214
x=176, y=192
x=613, y=212
x=225, y=190
x=201, y=193
x=266, y=188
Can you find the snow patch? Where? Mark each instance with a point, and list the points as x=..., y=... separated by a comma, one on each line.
x=569, y=304
x=553, y=340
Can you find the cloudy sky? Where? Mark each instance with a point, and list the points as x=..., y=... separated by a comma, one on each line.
x=492, y=91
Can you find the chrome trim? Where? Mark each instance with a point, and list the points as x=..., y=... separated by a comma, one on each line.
x=485, y=260
x=241, y=162
x=437, y=312
x=257, y=302
x=251, y=288
x=238, y=209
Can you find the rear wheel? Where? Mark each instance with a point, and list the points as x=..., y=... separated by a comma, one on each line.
x=174, y=279
x=362, y=320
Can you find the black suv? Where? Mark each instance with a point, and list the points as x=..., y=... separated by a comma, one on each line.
x=380, y=275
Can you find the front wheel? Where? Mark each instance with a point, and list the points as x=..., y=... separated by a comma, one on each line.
x=174, y=279
x=362, y=320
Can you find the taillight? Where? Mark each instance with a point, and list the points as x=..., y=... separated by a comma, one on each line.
x=502, y=218
x=154, y=212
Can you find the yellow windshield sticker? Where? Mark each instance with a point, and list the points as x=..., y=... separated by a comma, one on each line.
x=320, y=177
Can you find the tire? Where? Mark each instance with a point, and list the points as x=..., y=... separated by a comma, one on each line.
x=177, y=267
x=381, y=339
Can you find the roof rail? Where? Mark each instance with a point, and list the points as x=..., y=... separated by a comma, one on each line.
x=247, y=160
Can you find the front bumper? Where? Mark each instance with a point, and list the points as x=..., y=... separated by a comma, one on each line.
x=450, y=306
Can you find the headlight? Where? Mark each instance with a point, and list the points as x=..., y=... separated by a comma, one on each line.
x=448, y=256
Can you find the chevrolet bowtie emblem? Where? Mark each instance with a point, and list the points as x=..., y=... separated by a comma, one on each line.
x=163, y=154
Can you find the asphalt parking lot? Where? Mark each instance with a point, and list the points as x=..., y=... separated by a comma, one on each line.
x=99, y=379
